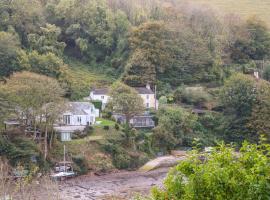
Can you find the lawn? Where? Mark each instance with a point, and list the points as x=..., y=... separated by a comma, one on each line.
x=104, y=122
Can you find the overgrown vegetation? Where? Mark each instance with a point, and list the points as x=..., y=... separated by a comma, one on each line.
x=200, y=59
x=222, y=174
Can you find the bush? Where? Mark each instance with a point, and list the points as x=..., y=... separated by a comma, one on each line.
x=81, y=163
x=163, y=100
x=116, y=126
x=266, y=72
x=192, y=95
x=97, y=104
x=122, y=161
x=106, y=128
x=88, y=130
x=21, y=151
x=223, y=174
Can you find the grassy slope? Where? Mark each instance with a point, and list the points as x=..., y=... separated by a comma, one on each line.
x=83, y=77
x=244, y=8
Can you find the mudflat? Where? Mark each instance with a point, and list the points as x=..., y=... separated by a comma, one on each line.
x=121, y=185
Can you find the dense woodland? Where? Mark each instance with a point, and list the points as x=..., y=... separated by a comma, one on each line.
x=202, y=62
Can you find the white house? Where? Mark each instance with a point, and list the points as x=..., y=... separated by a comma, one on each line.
x=76, y=117
x=100, y=95
x=147, y=94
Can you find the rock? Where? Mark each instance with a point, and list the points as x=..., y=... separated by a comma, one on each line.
x=164, y=161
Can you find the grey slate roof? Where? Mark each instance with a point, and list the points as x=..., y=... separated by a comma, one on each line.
x=78, y=108
x=100, y=91
x=144, y=90
x=140, y=90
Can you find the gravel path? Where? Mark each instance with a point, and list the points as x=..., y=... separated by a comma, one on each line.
x=122, y=185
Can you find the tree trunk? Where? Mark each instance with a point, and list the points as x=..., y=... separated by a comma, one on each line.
x=51, y=139
x=46, y=141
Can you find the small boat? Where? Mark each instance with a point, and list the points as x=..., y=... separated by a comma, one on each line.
x=62, y=175
x=63, y=170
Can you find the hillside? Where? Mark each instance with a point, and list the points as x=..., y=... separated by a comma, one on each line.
x=244, y=8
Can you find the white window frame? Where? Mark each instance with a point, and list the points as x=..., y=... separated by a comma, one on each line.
x=65, y=136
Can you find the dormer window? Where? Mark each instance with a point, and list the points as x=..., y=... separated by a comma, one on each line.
x=102, y=97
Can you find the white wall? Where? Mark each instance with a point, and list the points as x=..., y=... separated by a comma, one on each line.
x=103, y=98
x=149, y=99
x=81, y=120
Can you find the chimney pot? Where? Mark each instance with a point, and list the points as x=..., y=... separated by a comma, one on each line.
x=148, y=86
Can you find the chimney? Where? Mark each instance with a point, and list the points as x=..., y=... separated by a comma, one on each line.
x=148, y=86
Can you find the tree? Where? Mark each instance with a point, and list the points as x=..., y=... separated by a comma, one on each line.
x=47, y=64
x=266, y=72
x=9, y=47
x=176, y=127
x=125, y=100
x=24, y=16
x=259, y=120
x=29, y=93
x=255, y=45
x=47, y=40
x=150, y=44
x=239, y=94
x=223, y=174
x=139, y=70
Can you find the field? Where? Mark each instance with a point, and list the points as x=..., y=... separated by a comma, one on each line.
x=244, y=8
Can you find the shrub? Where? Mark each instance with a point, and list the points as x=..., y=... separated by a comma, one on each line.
x=97, y=104
x=223, y=174
x=122, y=161
x=163, y=100
x=192, y=95
x=116, y=126
x=106, y=128
x=81, y=163
x=89, y=130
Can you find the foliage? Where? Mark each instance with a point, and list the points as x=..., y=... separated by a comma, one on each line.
x=81, y=162
x=192, y=95
x=9, y=47
x=32, y=96
x=47, y=64
x=125, y=100
x=97, y=104
x=163, y=100
x=223, y=174
x=239, y=94
x=176, y=126
x=258, y=121
x=122, y=159
x=266, y=72
x=256, y=46
x=20, y=151
x=47, y=40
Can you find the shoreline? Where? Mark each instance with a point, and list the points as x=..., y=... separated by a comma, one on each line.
x=121, y=185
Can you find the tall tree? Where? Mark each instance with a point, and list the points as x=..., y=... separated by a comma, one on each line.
x=150, y=44
x=29, y=93
x=255, y=45
x=125, y=100
x=9, y=47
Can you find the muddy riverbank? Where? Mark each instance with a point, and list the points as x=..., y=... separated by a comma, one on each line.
x=122, y=185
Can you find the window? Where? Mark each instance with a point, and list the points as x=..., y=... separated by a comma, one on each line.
x=147, y=96
x=147, y=105
x=66, y=119
x=79, y=119
x=65, y=136
x=102, y=97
